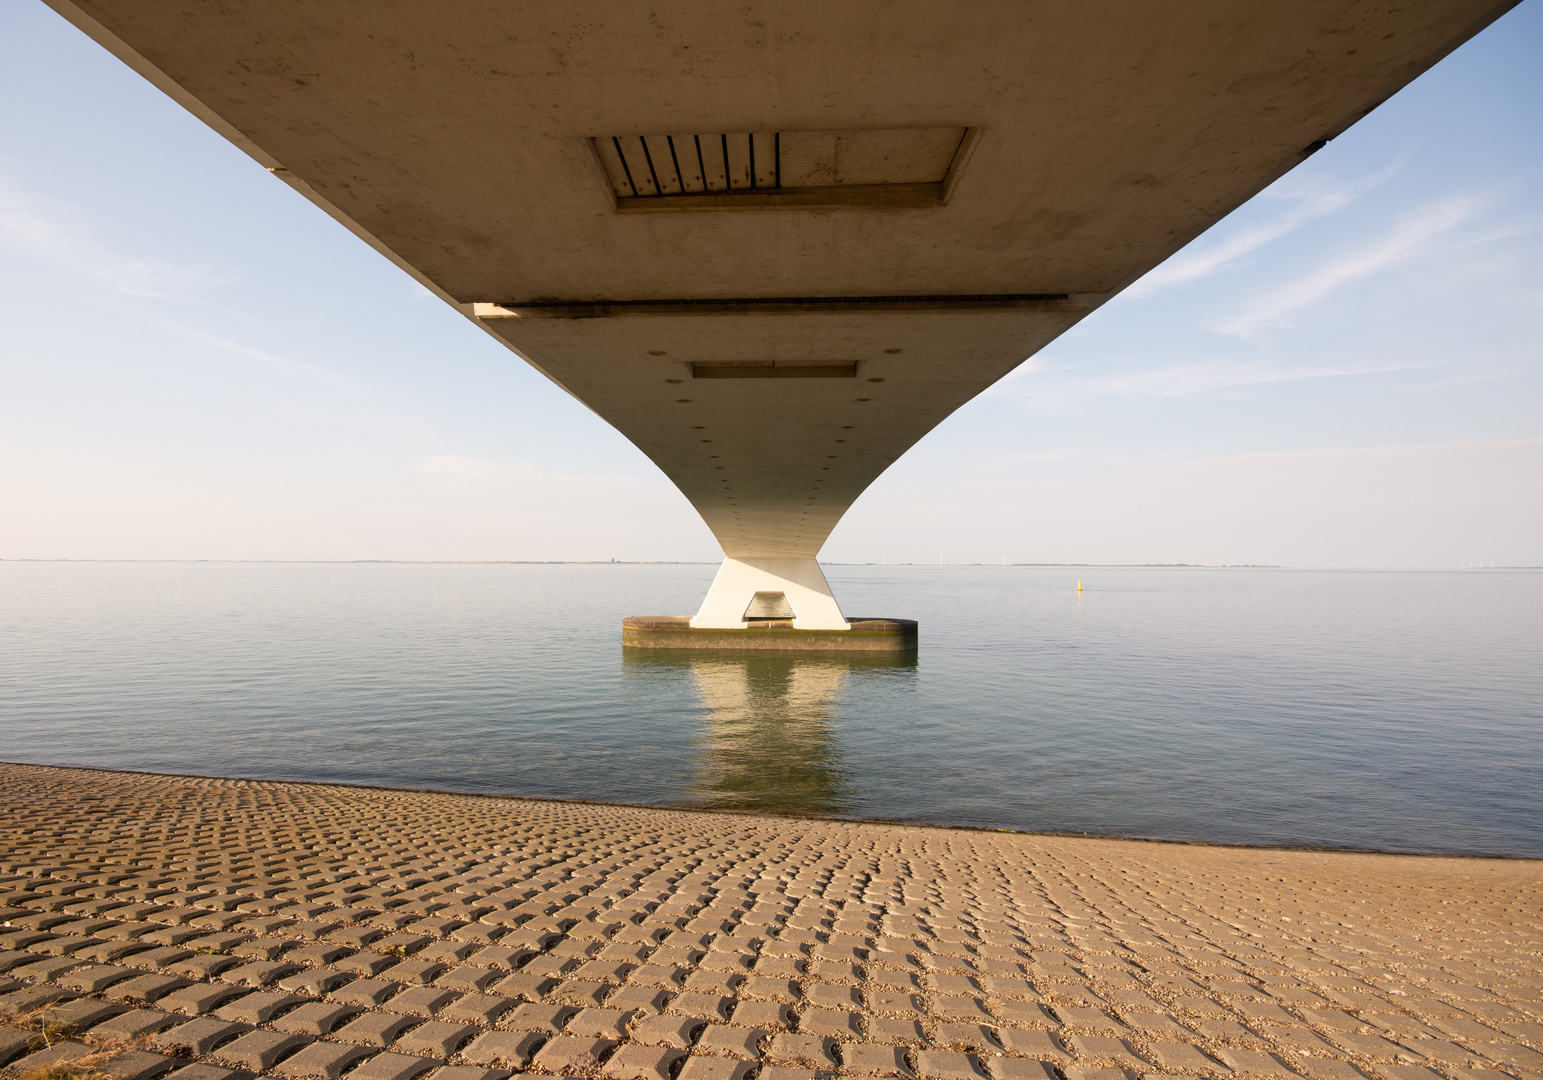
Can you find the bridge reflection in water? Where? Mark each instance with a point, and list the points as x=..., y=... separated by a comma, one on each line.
x=770, y=739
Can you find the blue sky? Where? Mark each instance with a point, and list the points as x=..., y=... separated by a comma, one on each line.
x=198, y=364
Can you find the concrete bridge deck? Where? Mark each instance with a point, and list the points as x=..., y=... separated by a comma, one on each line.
x=212, y=929
x=776, y=245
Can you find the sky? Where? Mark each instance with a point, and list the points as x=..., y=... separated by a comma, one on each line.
x=198, y=364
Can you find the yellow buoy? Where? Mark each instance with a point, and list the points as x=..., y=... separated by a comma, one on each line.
x=1079, y=587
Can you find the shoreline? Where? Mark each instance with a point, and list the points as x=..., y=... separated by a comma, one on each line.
x=238, y=927
x=775, y=816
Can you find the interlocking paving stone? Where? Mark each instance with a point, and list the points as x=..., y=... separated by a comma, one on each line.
x=885, y=1029
x=317, y=954
x=1300, y=1042
x=135, y=1024
x=467, y=979
x=1105, y=1048
x=1009, y=1068
x=708, y=1005
x=1519, y=1057
x=393, y=1067
x=376, y=1029
x=483, y=1009
x=731, y=1041
x=156, y=958
x=782, y=1072
x=420, y=1000
x=569, y=1053
x=888, y=1001
x=1033, y=1043
x=37, y=969
x=435, y=1039
x=199, y=998
x=323, y=1060
x=672, y=1031
x=15, y=1042
x=93, y=978
x=1181, y=1057
x=265, y=948
x=1405, y=1072
x=524, y=985
x=447, y=952
x=581, y=992
x=259, y=974
x=467, y=1072
x=137, y=1065
x=365, y=993
x=862, y=1059
x=365, y=962
x=258, y=1007
x=1370, y=1047
x=815, y=1051
x=975, y=1037
x=1157, y=1024
x=535, y=1017
x=838, y=1025
x=49, y=1057
x=1096, y=1020
x=944, y=1065
x=198, y=1037
x=316, y=982
x=711, y=1068
x=83, y=1013
x=260, y=1050
x=600, y=1023
x=201, y=967
x=316, y=1018
x=1254, y=1062
x=637, y=1062
x=510, y=1048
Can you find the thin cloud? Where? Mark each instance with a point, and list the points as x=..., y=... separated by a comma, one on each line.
x=1072, y=395
x=1409, y=239
x=1186, y=379
x=1192, y=457
x=461, y=470
x=1312, y=200
x=229, y=346
x=1386, y=450
x=54, y=231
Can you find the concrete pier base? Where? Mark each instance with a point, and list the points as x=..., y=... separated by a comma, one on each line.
x=770, y=635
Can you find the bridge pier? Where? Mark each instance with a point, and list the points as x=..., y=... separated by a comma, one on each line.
x=776, y=588
x=779, y=604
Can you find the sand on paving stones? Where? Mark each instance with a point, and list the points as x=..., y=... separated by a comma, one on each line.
x=194, y=929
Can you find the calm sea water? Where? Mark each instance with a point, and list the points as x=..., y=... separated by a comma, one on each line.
x=1364, y=709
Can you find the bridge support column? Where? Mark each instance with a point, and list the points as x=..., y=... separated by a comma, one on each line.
x=743, y=582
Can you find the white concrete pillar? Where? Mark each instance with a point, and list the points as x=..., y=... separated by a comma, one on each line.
x=800, y=580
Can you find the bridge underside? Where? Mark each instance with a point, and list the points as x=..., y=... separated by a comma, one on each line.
x=773, y=424
x=777, y=246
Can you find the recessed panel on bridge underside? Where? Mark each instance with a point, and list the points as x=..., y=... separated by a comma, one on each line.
x=886, y=168
x=774, y=370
